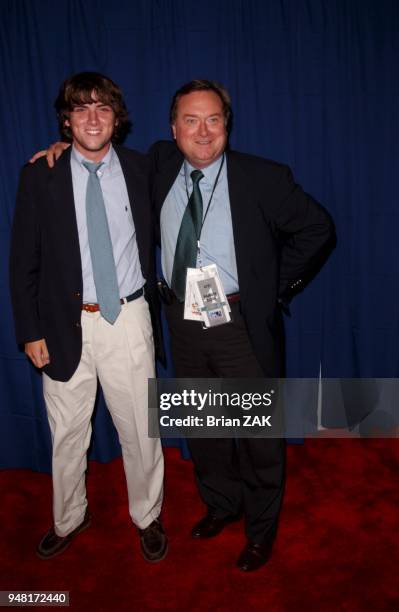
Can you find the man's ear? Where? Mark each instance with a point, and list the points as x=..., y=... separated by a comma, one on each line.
x=173, y=130
x=66, y=123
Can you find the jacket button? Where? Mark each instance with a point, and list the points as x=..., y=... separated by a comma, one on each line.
x=77, y=294
x=77, y=324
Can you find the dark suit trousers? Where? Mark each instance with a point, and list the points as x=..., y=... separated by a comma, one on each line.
x=232, y=475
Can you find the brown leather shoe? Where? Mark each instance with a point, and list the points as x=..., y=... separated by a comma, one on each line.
x=154, y=543
x=253, y=556
x=52, y=544
x=211, y=526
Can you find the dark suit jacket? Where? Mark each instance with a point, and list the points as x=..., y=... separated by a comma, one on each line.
x=45, y=263
x=280, y=234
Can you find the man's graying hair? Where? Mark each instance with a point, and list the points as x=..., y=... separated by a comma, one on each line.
x=203, y=85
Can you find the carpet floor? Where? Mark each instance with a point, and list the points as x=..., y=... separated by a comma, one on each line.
x=337, y=547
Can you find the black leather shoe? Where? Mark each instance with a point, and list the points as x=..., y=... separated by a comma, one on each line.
x=211, y=526
x=253, y=556
x=52, y=544
x=154, y=543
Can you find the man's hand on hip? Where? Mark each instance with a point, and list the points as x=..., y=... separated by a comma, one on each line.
x=37, y=352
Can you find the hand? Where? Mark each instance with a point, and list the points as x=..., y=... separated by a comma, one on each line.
x=37, y=352
x=52, y=153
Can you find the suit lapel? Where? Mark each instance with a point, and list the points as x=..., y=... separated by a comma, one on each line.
x=63, y=205
x=239, y=192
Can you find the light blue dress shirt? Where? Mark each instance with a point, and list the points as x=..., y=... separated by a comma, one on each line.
x=120, y=222
x=217, y=241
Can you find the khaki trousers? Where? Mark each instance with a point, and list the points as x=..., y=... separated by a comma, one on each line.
x=121, y=356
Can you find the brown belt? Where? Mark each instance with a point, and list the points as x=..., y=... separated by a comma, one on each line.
x=129, y=298
x=233, y=298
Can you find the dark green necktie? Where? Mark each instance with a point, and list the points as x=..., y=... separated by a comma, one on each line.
x=189, y=233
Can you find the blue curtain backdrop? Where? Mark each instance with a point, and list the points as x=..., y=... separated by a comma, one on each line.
x=314, y=84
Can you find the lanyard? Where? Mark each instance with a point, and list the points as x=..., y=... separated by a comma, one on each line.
x=210, y=199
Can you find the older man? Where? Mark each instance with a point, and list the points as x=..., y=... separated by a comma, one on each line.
x=246, y=205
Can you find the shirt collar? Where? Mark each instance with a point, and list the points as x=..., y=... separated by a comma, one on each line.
x=107, y=161
x=210, y=172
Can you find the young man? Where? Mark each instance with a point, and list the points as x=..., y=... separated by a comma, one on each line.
x=81, y=260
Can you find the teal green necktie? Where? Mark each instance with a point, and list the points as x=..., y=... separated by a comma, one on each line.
x=102, y=256
x=189, y=234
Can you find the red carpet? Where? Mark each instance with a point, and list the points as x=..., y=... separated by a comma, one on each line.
x=337, y=547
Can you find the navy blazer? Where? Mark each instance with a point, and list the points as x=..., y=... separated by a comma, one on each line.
x=281, y=237
x=45, y=263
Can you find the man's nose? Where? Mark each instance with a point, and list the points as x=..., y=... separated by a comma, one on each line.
x=93, y=116
x=203, y=128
